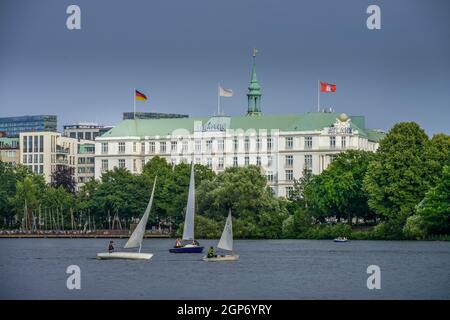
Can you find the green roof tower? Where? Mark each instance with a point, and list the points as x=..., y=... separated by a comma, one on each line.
x=254, y=92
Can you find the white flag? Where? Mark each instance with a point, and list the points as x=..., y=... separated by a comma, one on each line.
x=225, y=92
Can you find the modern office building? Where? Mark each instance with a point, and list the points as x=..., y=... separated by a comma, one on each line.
x=282, y=145
x=152, y=115
x=9, y=150
x=85, y=163
x=13, y=126
x=44, y=152
x=85, y=130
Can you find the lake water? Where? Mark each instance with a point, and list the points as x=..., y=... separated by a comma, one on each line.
x=267, y=269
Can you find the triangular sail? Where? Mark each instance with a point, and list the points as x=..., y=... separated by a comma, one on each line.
x=188, y=230
x=226, y=240
x=138, y=233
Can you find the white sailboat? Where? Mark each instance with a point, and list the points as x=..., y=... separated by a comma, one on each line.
x=188, y=229
x=135, y=240
x=225, y=243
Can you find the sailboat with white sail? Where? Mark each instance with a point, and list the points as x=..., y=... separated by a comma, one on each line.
x=135, y=240
x=225, y=243
x=188, y=230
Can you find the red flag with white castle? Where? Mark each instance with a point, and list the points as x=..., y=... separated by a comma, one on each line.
x=327, y=87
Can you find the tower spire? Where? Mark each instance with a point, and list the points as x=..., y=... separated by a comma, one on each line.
x=254, y=91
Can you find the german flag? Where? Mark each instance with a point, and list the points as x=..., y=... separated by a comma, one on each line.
x=140, y=96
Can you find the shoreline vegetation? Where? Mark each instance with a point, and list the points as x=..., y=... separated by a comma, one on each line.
x=399, y=192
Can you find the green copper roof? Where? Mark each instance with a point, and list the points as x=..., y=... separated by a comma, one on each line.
x=296, y=122
x=7, y=142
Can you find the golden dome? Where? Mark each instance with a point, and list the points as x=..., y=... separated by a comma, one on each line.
x=343, y=117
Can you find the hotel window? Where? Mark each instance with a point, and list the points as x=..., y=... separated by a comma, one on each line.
x=88, y=136
x=30, y=144
x=289, y=161
x=333, y=142
x=236, y=144
x=162, y=147
x=258, y=144
x=198, y=146
x=173, y=146
x=235, y=161
x=308, y=162
x=41, y=169
x=73, y=135
x=24, y=144
x=289, y=191
x=270, y=176
x=208, y=145
x=269, y=143
x=104, y=147
x=185, y=146
x=41, y=143
x=258, y=161
x=104, y=165
x=41, y=158
x=30, y=158
x=36, y=169
x=134, y=146
x=121, y=163
x=143, y=147
x=220, y=164
x=289, y=142
x=247, y=144
x=134, y=165
x=308, y=142
x=220, y=145
x=24, y=158
x=247, y=160
x=269, y=161
x=121, y=147
x=80, y=135
x=209, y=163
x=142, y=164
x=151, y=147
x=289, y=175
x=343, y=142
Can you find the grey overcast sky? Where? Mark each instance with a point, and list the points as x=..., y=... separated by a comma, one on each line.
x=176, y=51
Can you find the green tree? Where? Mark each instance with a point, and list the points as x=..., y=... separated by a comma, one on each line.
x=63, y=177
x=438, y=156
x=434, y=211
x=399, y=177
x=338, y=190
x=243, y=190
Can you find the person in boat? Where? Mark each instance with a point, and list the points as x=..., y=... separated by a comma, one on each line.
x=195, y=242
x=178, y=243
x=210, y=253
x=111, y=247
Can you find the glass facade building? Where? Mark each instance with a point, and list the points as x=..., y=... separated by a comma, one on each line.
x=12, y=126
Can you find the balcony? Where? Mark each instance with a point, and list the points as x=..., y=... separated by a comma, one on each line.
x=61, y=150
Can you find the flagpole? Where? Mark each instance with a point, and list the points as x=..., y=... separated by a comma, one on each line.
x=134, y=103
x=218, y=98
x=318, y=95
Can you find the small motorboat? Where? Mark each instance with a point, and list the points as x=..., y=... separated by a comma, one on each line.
x=341, y=239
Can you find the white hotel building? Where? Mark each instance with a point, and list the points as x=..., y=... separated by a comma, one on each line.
x=282, y=145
